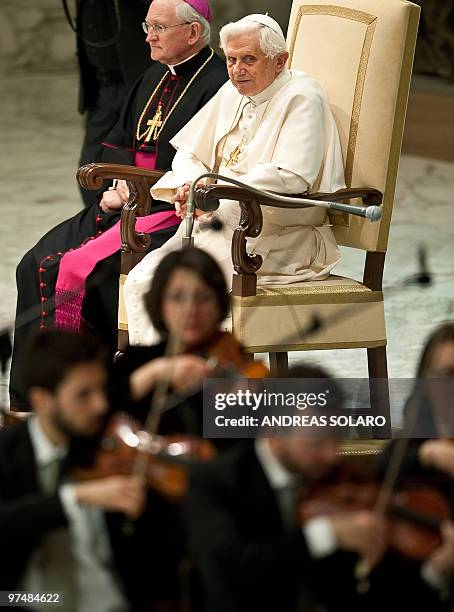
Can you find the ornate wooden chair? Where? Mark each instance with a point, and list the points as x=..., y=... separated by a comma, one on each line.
x=361, y=51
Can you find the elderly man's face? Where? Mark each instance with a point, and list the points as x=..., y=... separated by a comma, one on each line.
x=176, y=43
x=250, y=70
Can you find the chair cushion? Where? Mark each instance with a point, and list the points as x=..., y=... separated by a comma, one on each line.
x=278, y=317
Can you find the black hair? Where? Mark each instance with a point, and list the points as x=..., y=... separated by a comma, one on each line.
x=441, y=335
x=52, y=353
x=196, y=261
x=322, y=381
x=423, y=424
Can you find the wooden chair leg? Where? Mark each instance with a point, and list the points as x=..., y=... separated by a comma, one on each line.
x=278, y=364
x=123, y=340
x=379, y=390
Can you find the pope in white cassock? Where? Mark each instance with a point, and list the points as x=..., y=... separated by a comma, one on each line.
x=271, y=128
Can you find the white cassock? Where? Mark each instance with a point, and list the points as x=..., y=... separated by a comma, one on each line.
x=289, y=144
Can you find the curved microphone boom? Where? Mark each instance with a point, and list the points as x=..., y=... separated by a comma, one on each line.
x=373, y=213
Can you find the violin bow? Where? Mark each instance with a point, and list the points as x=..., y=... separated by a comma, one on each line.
x=160, y=391
x=385, y=492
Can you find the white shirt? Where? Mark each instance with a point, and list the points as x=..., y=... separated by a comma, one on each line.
x=318, y=532
x=97, y=588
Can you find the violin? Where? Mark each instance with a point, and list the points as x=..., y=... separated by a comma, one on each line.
x=414, y=512
x=165, y=459
x=226, y=357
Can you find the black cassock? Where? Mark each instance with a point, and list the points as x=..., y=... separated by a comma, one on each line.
x=37, y=272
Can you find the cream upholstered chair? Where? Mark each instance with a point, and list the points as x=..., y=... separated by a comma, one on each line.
x=361, y=51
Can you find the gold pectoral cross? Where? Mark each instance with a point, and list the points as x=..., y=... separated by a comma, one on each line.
x=235, y=155
x=153, y=125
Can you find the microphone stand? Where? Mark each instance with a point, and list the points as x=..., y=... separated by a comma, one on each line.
x=373, y=213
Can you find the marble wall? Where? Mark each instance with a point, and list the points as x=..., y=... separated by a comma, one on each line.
x=35, y=38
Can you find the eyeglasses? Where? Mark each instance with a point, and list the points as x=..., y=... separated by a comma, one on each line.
x=158, y=28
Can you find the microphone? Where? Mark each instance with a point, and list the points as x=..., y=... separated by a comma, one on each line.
x=374, y=213
x=424, y=277
x=188, y=240
x=215, y=224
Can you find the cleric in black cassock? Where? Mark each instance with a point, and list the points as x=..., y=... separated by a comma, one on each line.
x=37, y=272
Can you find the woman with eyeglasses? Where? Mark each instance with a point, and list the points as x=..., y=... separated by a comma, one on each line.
x=187, y=303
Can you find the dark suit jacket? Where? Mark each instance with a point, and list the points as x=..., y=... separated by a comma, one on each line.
x=130, y=46
x=26, y=514
x=247, y=561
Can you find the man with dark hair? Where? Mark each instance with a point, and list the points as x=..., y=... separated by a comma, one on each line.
x=257, y=551
x=62, y=535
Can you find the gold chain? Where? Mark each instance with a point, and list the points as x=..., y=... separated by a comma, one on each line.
x=150, y=99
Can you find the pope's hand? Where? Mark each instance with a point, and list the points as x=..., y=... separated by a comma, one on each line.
x=181, y=197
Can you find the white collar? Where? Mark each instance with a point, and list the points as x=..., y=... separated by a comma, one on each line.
x=277, y=475
x=263, y=96
x=171, y=67
x=45, y=451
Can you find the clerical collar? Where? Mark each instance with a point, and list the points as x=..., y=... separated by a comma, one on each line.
x=276, y=474
x=263, y=96
x=45, y=451
x=191, y=63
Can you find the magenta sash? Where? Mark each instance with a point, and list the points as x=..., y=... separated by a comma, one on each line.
x=77, y=264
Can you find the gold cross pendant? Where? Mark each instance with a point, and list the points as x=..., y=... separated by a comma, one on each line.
x=153, y=125
x=235, y=155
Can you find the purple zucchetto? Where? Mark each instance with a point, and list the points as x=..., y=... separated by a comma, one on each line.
x=202, y=7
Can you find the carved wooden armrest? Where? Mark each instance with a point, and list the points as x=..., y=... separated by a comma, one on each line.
x=251, y=222
x=93, y=176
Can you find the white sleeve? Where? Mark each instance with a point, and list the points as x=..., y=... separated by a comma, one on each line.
x=185, y=168
x=68, y=500
x=435, y=580
x=320, y=537
x=274, y=178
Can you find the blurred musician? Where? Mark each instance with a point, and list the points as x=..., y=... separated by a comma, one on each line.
x=58, y=535
x=187, y=302
x=256, y=552
x=431, y=409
